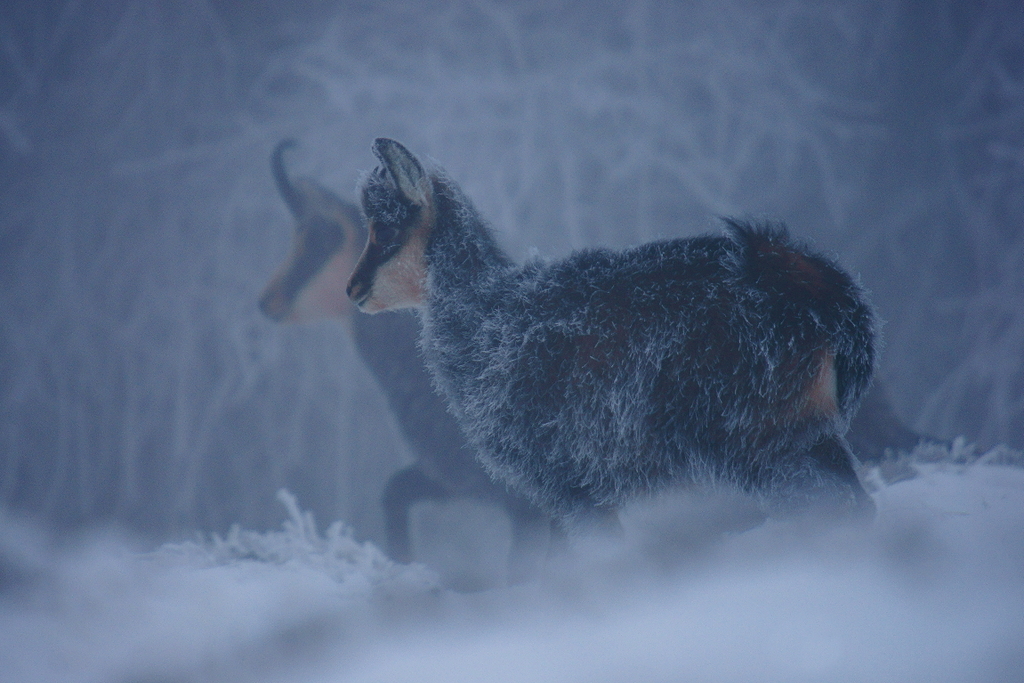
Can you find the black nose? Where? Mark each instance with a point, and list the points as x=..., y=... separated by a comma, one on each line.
x=355, y=290
x=274, y=305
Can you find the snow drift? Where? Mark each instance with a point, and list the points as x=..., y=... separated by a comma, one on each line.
x=931, y=591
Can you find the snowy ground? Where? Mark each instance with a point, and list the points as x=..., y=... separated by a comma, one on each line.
x=933, y=590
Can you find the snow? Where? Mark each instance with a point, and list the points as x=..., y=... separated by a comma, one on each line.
x=932, y=590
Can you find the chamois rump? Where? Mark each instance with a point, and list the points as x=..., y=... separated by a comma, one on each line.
x=311, y=284
x=733, y=359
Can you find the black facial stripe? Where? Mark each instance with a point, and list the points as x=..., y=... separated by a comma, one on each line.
x=378, y=254
x=385, y=235
x=301, y=273
x=320, y=239
x=321, y=234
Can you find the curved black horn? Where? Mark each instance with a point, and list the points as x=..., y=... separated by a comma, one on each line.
x=284, y=184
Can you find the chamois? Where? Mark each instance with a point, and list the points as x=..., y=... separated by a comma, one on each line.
x=310, y=285
x=584, y=382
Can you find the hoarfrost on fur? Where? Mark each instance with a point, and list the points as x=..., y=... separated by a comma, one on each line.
x=605, y=375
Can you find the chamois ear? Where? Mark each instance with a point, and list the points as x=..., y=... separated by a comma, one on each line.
x=410, y=178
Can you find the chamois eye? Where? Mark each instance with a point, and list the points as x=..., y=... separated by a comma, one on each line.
x=386, y=234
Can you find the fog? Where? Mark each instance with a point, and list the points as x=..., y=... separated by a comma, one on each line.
x=145, y=399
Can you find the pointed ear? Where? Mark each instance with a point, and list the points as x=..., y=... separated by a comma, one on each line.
x=410, y=178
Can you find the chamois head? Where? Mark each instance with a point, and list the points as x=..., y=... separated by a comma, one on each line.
x=398, y=203
x=328, y=231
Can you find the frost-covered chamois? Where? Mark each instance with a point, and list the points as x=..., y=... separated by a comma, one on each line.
x=584, y=382
x=311, y=284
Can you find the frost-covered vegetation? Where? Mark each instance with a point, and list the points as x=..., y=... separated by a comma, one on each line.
x=138, y=220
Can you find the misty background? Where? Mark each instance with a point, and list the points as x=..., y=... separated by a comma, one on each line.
x=139, y=384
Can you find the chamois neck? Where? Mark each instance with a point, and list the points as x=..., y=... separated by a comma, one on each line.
x=462, y=253
x=386, y=342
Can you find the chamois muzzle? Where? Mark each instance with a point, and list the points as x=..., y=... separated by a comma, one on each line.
x=358, y=290
x=275, y=304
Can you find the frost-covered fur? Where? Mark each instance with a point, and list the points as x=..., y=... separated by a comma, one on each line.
x=587, y=381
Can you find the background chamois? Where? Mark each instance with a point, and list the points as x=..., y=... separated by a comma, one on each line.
x=309, y=285
x=584, y=382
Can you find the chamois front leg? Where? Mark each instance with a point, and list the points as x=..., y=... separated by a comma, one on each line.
x=404, y=489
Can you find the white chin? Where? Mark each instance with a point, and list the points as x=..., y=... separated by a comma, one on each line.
x=371, y=306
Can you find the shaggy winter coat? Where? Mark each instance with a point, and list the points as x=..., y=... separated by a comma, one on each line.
x=736, y=358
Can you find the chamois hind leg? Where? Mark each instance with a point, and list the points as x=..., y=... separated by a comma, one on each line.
x=531, y=538
x=825, y=482
x=589, y=520
x=405, y=488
